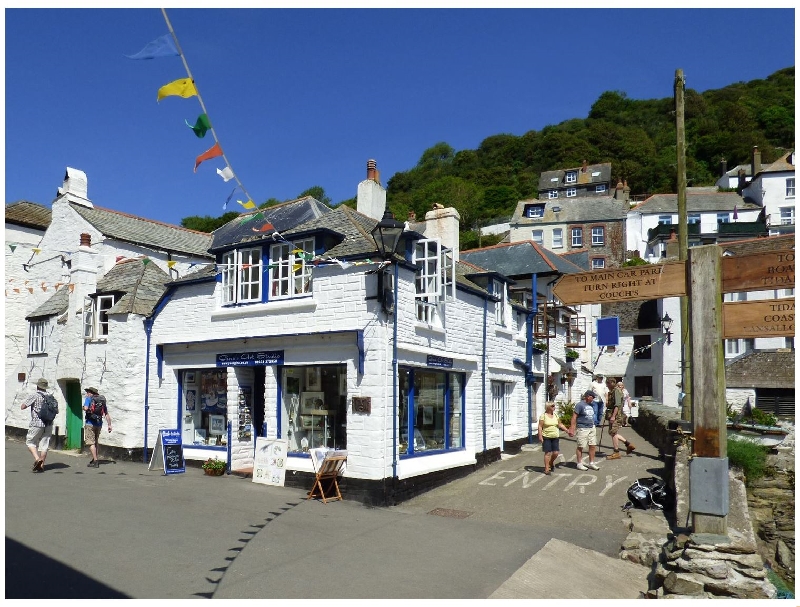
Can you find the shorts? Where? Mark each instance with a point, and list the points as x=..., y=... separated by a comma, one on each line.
x=613, y=427
x=549, y=445
x=91, y=434
x=39, y=437
x=586, y=437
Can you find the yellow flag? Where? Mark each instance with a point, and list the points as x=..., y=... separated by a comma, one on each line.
x=171, y=264
x=183, y=87
x=247, y=205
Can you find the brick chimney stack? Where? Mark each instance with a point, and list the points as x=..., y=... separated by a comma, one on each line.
x=756, y=168
x=371, y=196
x=585, y=166
x=86, y=240
x=723, y=167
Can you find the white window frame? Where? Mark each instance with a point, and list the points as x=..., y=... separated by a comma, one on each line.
x=577, y=237
x=435, y=280
x=552, y=193
x=242, y=277
x=95, y=316
x=498, y=403
x=558, y=238
x=790, y=187
x=535, y=211
x=37, y=336
x=693, y=218
x=600, y=188
x=572, y=192
x=598, y=263
x=290, y=269
x=598, y=236
x=537, y=236
x=787, y=216
x=498, y=288
x=723, y=217
x=665, y=220
x=571, y=177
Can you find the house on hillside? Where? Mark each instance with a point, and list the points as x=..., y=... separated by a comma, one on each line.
x=80, y=281
x=585, y=181
x=772, y=189
x=737, y=177
x=310, y=331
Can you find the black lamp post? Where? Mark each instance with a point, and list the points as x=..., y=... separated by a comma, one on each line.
x=666, y=325
x=387, y=234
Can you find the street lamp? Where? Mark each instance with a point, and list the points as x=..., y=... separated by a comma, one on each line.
x=386, y=234
x=666, y=325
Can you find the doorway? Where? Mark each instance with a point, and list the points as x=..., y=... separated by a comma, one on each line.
x=74, y=419
x=259, y=381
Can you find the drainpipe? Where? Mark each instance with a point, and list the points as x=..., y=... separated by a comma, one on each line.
x=483, y=370
x=394, y=376
x=148, y=328
x=529, y=357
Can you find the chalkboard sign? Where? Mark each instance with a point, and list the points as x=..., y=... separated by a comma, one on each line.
x=168, y=453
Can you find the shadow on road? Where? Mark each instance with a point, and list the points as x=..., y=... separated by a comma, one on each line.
x=33, y=575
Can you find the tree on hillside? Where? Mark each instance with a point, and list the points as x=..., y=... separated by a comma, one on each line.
x=316, y=192
x=207, y=223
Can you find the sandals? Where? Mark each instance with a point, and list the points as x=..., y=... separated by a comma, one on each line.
x=38, y=466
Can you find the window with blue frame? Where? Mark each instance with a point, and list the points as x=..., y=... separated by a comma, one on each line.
x=430, y=410
x=290, y=269
x=241, y=276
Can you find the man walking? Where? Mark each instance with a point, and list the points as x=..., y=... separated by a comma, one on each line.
x=586, y=437
x=38, y=437
x=96, y=410
x=615, y=401
x=599, y=388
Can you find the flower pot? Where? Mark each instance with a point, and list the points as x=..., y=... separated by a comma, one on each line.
x=571, y=359
x=212, y=472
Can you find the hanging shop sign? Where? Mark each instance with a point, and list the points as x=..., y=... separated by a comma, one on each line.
x=250, y=359
x=440, y=361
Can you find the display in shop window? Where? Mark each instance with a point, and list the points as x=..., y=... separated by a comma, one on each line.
x=312, y=401
x=313, y=378
x=191, y=399
x=245, y=427
x=216, y=424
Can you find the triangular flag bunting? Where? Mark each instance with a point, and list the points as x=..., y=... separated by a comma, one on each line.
x=201, y=126
x=71, y=288
x=212, y=152
x=163, y=46
x=35, y=250
x=183, y=87
x=171, y=264
x=12, y=247
x=120, y=258
x=145, y=261
x=226, y=173
x=247, y=205
x=227, y=200
x=265, y=228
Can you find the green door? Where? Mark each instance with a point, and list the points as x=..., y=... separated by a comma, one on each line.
x=74, y=416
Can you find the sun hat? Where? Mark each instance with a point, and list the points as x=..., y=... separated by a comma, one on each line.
x=91, y=390
x=42, y=383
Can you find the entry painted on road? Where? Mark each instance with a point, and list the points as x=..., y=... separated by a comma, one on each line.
x=556, y=481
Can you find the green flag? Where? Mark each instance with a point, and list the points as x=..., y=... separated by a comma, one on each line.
x=201, y=126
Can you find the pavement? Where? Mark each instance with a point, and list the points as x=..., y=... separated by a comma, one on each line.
x=505, y=531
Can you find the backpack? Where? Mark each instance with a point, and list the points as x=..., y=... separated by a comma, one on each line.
x=48, y=409
x=95, y=412
x=647, y=493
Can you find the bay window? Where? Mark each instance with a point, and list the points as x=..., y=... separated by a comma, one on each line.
x=431, y=410
x=314, y=412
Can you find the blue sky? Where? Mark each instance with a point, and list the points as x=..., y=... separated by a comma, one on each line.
x=300, y=98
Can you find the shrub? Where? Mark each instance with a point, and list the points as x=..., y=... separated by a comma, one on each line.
x=749, y=456
x=564, y=410
x=540, y=345
x=571, y=354
x=763, y=418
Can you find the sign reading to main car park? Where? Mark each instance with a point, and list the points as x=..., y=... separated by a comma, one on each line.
x=635, y=283
x=758, y=272
x=761, y=318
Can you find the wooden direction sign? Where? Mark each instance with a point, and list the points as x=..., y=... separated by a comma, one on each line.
x=758, y=272
x=634, y=283
x=761, y=318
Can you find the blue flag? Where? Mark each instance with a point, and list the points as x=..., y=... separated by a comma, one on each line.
x=160, y=47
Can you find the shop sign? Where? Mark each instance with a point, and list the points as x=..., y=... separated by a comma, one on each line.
x=440, y=361
x=168, y=452
x=250, y=359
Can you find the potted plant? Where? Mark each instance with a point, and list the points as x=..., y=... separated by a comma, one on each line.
x=571, y=355
x=214, y=467
x=539, y=347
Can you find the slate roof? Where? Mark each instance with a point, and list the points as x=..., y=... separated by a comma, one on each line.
x=146, y=232
x=634, y=316
x=761, y=369
x=519, y=259
x=203, y=273
x=584, y=177
x=58, y=303
x=142, y=284
x=784, y=242
x=28, y=214
x=780, y=165
x=283, y=216
x=572, y=210
x=580, y=258
x=696, y=202
x=353, y=226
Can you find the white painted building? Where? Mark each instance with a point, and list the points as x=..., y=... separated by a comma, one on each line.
x=79, y=285
x=772, y=188
x=298, y=334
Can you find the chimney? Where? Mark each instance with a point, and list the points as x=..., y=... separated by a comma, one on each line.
x=723, y=169
x=86, y=240
x=371, y=196
x=618, y=190
x=742, y=184
x=75, y=188
x=585, y=166
x=626, y=191
x=442, y=223
x=756, y=168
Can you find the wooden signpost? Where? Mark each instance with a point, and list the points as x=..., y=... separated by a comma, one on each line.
x=758, y=271
x=635, y=283
x=760, y=318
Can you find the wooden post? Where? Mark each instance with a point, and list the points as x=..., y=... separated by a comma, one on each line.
x=683, y=246
x=708, y=369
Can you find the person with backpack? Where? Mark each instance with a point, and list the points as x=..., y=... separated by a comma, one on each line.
x=40, y=430
x=96, y=411
x=614, y=417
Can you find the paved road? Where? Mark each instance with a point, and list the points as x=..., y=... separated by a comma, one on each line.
x=124, y=531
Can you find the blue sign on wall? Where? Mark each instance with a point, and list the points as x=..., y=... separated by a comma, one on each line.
x=608, y=331
x=249, y=359
x=440, y=361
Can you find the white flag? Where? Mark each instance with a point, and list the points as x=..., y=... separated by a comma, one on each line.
x=226, y=173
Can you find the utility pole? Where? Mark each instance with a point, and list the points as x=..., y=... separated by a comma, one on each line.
x=683, y=248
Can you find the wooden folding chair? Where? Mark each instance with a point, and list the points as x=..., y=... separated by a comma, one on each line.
x=325, y=482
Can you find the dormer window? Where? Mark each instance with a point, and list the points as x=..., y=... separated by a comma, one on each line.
x=435, y=280
x=535, y=211
x=552, y=193
x=571, y=177
x=290, y=269
x=241, y=276
x=37, y=336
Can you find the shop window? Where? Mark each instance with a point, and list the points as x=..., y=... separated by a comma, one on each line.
x=434, y=281
x=643, y=385
x=37, y=336
x=315, y=407
x=430, y=411
x=205, y=398
x=95, y=316
x=241, y=276
x=290, y=269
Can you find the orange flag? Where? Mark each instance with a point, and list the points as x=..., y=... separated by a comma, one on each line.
x=210, y=153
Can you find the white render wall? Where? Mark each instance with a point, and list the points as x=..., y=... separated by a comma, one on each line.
x=302, y=329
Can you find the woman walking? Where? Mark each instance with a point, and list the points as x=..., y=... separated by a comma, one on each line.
x=549, y=424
